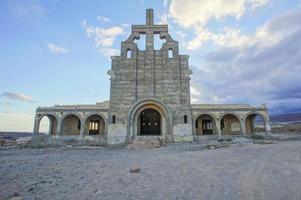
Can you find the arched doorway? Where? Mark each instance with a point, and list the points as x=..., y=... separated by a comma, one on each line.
x=205, y=125
x=254, y=124
x=230, y=125
x=149, y=122
x=48, y=125
x=94, y=125
x=165, y=118
x=71, y=125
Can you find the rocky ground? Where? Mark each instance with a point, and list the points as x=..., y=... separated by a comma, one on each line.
x=178, y=171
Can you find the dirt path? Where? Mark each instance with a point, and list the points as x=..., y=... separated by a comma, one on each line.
x=176, y=172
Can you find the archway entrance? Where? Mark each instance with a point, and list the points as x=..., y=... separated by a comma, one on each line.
x=48, y=125
x=71, y=125
x=149, y=122
x=255, y=124
x=94, y=125
x=205, y=125
x=230, y=125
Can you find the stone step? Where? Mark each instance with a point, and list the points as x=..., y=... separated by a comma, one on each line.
x=146, y=142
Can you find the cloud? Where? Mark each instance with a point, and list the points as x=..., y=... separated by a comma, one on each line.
x=255, y=72
x=103, y=19
x=56, y=49
x=104, y=38
x=200, y=12
x=18, y=97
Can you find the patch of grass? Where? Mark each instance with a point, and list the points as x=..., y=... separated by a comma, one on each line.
x=262, y=142
x=257, y=137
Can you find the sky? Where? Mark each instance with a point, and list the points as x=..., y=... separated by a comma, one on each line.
x=58, y=51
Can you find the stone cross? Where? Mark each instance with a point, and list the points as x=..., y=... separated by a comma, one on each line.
x=149, y=29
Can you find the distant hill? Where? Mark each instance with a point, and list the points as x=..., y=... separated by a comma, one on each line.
x=290, y=118
x=13, y=135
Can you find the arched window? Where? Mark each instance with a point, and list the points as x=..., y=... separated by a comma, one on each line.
x=128, y=53
x=170, y=53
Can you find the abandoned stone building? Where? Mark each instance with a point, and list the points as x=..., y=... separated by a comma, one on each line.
x=150, y=96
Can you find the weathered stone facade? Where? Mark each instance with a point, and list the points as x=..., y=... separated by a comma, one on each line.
x=150, y=94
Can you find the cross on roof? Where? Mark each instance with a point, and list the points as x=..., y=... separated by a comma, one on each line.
x=149, y=29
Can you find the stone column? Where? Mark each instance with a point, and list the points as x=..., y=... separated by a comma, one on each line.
x=36, y=125
x=59, y=127
x=82, y=130
x=243, y=127
x=50, y=126
x=268, y=129
x=218, y=128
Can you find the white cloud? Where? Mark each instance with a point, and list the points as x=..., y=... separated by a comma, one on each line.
x=18, y=97
x=195, y=13
x=257, y=3
x=56, y=49
x=255, y=72
x=203, y=35
x=200, y=12
x=163, y=18
x=104, y=38
x=103, y=19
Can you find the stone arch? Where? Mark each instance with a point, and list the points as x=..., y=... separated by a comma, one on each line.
x=249, y=121
x=230, y=124
x=53, y=122
x=200, y=127
x=102, y=122
x=138, y=107
x=71, y=124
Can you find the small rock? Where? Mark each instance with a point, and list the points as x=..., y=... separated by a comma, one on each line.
x=30, y=189
x=135, y=170
x=95, y=190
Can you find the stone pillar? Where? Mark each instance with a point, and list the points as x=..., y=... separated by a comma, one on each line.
x=82, y=130
x=50, y=126
x=268, y=129
x=218, y=128
x=59, y=127
x=243, y=127
x=36, y=125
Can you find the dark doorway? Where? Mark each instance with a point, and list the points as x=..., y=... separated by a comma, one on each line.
x=207, y=127
x=150, y=122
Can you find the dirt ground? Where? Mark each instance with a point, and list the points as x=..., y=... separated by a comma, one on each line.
x=178, y=171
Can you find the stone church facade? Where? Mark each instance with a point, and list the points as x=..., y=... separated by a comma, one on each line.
x=149, y=96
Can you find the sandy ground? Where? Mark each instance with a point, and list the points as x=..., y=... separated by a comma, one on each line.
x=178, y=171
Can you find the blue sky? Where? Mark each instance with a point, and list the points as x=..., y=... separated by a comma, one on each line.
x=58, y=52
